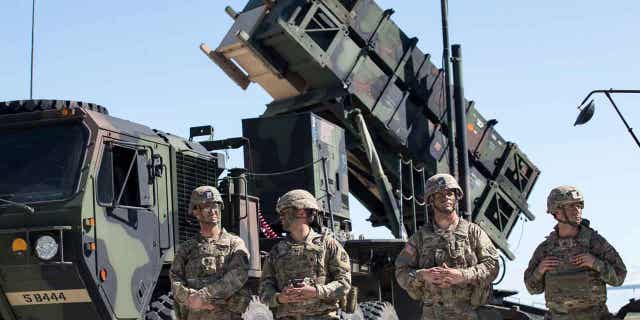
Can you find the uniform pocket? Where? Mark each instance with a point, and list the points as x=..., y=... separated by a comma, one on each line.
x=427, y=259
x=459, y=252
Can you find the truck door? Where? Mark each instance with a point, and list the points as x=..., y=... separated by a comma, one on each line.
x=127, y=250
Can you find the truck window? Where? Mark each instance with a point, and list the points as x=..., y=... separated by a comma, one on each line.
x=123, y=178
x=41, y=163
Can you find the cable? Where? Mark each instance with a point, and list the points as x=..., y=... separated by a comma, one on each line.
x=418, y=202
x=521, y=233
x=504, y=271
x=275, y=173
x=265, y=227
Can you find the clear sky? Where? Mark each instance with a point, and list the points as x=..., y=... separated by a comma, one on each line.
x=526, y=63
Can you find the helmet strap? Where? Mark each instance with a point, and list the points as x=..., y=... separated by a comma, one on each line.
x=566, y=219
x=311, y=216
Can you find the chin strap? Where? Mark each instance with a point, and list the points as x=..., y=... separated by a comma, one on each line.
x=200, y=218
x=566, y=219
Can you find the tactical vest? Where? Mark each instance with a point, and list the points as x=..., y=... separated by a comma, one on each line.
x=206, y=265
x=306, y=261
x=569, y=288
x=454, y=249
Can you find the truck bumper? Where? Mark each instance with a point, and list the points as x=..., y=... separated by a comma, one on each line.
x=46, y=291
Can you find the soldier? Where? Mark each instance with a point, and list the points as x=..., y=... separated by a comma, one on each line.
x=449, y=263
x=574, y=264
x=306, y=274
x=209, y=272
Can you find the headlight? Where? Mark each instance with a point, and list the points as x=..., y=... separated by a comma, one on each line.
x=46, y=247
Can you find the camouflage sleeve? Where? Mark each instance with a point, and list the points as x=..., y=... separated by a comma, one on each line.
x=533, y=280
x=406, y=267
x=236, y=275
x=339, y=272
x=608, y=262
x=487, y=268
x=177, y=275
x=268, y=290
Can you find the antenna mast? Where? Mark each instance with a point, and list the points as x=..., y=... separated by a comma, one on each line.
x=33, y=24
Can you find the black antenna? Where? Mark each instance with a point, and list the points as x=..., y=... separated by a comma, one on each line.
x=446, y=57
x=33, y=25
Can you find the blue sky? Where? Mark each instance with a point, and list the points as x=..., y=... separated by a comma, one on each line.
x=527, y=64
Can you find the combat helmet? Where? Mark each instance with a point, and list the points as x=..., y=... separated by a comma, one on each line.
x=298, y=199
x=440, y=182
x=562, y=195
x=204, y=194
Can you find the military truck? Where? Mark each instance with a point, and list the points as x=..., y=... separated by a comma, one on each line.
x=89, y=210
x=93, y=207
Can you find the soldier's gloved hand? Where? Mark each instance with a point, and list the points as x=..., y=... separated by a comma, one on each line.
x=547, y=264
x=584, y=260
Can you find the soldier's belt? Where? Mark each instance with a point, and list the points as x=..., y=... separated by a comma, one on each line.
x=309, y=308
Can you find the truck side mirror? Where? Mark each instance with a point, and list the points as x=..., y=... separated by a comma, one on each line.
x=155, y=166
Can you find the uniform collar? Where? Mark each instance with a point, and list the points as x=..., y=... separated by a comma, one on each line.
x=460, y=228
x=308, y=240
x=223, y=238
x=582, y=233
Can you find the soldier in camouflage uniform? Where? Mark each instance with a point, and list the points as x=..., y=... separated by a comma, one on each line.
x=574, y=264
x=449, y=263
x=306, y=274
x=209, y=272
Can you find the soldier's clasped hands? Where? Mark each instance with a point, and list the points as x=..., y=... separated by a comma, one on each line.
x=451, y=276
x=293, y=294
x=442, y=277
x=196, y=302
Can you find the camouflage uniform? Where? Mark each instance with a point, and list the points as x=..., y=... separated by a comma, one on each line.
x=216, y=269
x=573, y=292
x=320, y=260
x=464, y=246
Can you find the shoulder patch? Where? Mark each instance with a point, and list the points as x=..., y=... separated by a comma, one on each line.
x=343, y=257
x=409, y=249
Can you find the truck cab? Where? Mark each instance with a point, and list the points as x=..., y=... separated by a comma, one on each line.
x=88, y=210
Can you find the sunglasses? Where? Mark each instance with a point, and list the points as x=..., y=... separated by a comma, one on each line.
x=213, y=206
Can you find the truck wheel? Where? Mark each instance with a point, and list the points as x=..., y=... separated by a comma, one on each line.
x=161, y=308
x=378, y=310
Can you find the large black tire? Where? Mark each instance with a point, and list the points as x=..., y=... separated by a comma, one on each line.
x=161, y=308
x=378, y=310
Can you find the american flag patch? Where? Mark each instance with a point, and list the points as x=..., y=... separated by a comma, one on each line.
x=408, y=248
